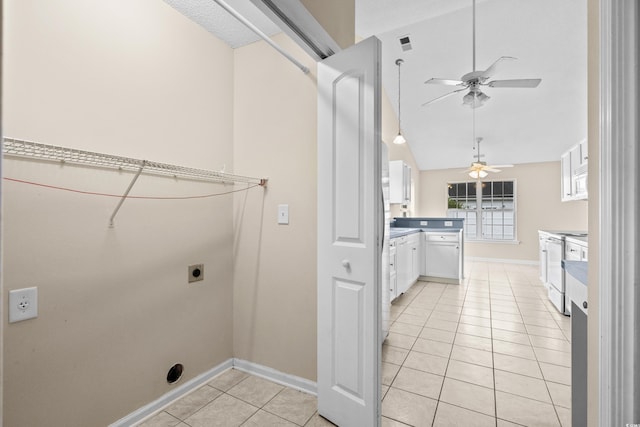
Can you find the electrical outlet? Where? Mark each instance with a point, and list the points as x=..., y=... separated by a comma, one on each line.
x=196, y=273
x=23, y=304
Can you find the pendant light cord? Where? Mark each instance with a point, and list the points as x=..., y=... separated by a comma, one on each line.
x=399, y=63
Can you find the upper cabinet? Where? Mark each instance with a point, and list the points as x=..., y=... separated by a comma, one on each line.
x=399, y=182
x=573, y=165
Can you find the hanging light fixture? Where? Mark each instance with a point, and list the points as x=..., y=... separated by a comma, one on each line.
x=399, y=139
x=478, y=174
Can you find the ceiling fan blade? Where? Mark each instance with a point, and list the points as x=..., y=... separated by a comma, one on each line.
x=522, y=83
x=501, y=166
x=446, y=95
x=446, y=82
x=491, y=169
x=492, y=68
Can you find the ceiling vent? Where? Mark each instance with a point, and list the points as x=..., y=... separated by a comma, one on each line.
x=405, y=43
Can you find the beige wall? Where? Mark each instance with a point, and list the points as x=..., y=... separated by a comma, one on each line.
x=538, y=207
x=593, y=339
x=115, y=312
x=275, y=265
x=337, y=17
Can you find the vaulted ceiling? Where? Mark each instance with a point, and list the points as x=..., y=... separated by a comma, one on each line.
x=517, y=125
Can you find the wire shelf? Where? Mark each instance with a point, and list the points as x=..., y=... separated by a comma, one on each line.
x=32, y=150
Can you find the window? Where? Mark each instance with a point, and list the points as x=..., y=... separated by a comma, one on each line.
x=489, y=214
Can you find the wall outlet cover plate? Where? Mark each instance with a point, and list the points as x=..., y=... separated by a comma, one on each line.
x=23, y=304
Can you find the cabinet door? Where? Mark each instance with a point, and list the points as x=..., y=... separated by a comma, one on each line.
x=442, y=259
x=393, y=277
x=584, y=152
x=407, y=184
x=403, y=266
x=565, y=167
x=396, y=181
x=543, y=258
x=414, y=247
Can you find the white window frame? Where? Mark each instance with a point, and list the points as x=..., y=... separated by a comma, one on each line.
x=479, y=213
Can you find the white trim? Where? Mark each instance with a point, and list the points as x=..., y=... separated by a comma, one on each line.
x=502, y=260
x=619, y=301
x=167, y=399
x=171, y=396
x=276, y=376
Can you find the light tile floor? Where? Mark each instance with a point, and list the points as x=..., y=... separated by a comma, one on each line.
x=492, y=351
x=235, y=398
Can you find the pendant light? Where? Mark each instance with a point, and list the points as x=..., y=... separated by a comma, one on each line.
x=399, y=139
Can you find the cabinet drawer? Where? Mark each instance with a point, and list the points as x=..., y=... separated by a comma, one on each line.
x=572, y=251
x=444, y=237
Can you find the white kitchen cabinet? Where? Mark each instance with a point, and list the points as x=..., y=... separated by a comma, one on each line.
x=443, y=256
x=413, y=241
x=542, y=250
x=403, y=265
x=399, y=182
x=393, y=274
x=405, y=254
x=574, y=165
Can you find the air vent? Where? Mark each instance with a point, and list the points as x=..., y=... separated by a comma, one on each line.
x=405, y=43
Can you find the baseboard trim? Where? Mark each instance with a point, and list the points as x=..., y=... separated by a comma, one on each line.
x=265, y=372
x=276, y=376
x=173, y=395
x=502, y=260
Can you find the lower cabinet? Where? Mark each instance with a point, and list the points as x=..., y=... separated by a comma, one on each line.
x=406, y=263
x=443, y=255
x=434, y=255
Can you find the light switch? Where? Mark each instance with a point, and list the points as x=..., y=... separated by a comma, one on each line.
x=424, y=222
x=283, y=214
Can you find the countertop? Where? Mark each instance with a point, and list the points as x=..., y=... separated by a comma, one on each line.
x=561, y=233
x=403, y=231
x=577, y=269
x=581, y=240
x=399, y=231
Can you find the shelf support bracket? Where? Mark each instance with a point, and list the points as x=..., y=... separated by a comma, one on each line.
x=126, y=193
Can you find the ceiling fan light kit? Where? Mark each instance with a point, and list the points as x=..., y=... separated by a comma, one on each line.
x=480, y=169
x=475, y=174
x=475, y=79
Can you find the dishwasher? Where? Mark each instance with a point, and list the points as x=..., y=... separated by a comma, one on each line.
x=555, y=273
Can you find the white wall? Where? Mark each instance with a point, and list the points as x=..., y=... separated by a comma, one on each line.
x=115, y=312
x=538, y=207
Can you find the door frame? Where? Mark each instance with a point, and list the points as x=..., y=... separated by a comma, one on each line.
x=618, y=301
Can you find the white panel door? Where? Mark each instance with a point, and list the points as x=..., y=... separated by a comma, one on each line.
x=350, y=221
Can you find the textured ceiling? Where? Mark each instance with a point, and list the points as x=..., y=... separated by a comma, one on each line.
x=217, y=21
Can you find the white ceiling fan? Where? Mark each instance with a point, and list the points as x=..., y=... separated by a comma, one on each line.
x=475, y=79
x=480, y=169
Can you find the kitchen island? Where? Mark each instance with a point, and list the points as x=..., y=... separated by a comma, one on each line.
x=427, y=249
